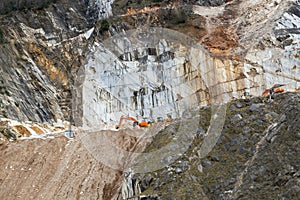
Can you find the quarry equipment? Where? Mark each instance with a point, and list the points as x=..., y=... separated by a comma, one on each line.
x=275, y=89
x=135, y=122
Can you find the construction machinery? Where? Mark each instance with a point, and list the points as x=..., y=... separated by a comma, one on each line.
x=135, y=122
x=277, y=88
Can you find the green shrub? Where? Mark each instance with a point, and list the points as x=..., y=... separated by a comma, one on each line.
x=1, y=36
x=104, y=26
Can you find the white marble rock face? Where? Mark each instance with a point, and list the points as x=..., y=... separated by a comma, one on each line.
x=167, y=77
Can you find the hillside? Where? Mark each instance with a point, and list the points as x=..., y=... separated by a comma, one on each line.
x=255, y=156
x=236, y=47
x=195, y=70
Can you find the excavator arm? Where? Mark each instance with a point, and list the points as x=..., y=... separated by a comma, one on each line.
x=135, y=122
x=275, y=90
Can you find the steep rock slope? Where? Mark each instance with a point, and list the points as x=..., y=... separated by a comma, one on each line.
x=244, y=50
x=40, y=50
x=231, y=49
x=255, y=156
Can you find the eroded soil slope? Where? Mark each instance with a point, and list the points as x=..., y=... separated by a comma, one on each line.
x=58, y=169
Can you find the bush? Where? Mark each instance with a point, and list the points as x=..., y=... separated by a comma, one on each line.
x=104, y=26
x=1, y=36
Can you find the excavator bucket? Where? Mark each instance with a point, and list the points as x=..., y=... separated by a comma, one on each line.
x=266, y=93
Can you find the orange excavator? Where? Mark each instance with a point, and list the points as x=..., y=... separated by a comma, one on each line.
x=277, y=88
x=135, y=122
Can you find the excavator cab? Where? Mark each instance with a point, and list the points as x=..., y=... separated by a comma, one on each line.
x=135, y=124
x=148, y=120
x=144, y=124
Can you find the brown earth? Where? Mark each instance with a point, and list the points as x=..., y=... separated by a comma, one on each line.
x=88, y=167
x=56, y=169
x=52, y=169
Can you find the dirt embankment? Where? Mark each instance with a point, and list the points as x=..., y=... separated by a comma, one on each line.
x=60, y=168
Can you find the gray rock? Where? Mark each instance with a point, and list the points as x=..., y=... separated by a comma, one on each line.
x=242, y=150
x=215, y=157
x=270, y=116
x=167, y=160
x=260, y=122
x=239, y=105
x=255, y=107
x=178, y=170
x=221, y=139
x=184, y=165
x=200, y=168
x=255, y=136
x=246, y=129
x=282, y=118
x=227, y=182
x=236, y=118
x=200, y=131
x=157, y=183
x=206, y=163
x=193, y=178
x=232, y=107
x=272, y=135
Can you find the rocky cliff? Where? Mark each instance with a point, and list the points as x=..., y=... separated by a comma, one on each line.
x=232, y=48
x=40, y=50
x=182, y=64
x=225, y=51
x=229, y=51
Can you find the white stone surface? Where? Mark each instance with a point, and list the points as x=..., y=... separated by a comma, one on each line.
x=103, y=7
x=165, y=75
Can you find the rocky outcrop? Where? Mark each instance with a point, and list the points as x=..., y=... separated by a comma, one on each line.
x=255, y=155
x=100, y=9
x=222, y=64
x=166, y=72
x=11, y=130
x=39, y=54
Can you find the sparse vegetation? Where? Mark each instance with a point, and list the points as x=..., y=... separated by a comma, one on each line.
x=241, y=136
x=1, y=36
x=104, y=25
x=11, y=5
